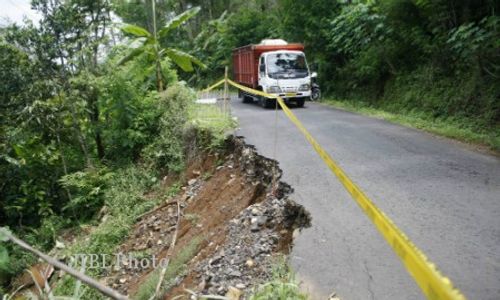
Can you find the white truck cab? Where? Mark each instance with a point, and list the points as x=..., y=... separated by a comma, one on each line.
x=275, y=67
x=285, y=73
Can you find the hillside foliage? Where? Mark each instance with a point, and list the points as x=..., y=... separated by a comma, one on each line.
x=86, y=100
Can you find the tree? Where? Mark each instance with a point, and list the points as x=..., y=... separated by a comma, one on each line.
x=150, y=44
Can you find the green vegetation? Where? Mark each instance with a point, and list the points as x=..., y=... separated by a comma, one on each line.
x=85, y=133
x=432, y=60
x=91, y=116
x=151, y=45
x=213, y=119
x=465, y=130
x=430, y=64
x=283, y=286
x=175, y=268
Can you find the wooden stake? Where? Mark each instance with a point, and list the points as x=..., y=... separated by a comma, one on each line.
x=225, y=91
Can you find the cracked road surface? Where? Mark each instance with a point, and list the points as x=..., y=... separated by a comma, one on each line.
x=445, y=197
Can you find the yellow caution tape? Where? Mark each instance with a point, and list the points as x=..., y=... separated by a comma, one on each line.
x=433, y=284
x=208, y=89
x=249, y=90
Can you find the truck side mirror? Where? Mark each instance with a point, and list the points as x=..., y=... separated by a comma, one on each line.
x=262, y=68
x=314, y=75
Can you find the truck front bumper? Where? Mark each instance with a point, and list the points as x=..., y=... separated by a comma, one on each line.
x=292, y=96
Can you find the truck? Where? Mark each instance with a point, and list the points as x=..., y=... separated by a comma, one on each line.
x=275, y=67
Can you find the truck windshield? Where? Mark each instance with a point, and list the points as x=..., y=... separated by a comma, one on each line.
x=286, y=65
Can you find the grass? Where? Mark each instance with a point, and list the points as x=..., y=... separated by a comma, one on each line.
x=456, y=128
x=125, y=202
x=211, y=116
x=283, y=286
x=214, y=118
x=175, y=268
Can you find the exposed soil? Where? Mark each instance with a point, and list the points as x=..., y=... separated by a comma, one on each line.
x=243, y=224
x=235, y=208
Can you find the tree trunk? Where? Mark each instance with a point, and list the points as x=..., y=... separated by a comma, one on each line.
x=94, y=119
x=159, y=76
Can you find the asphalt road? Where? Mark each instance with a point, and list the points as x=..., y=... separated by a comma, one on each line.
x=444, y=196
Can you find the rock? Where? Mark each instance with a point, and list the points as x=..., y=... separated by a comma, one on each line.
x=123, y=280
x=257, y=222
x=234, y=273
x=233, y=293
x=249, y=263
x=202, y=285
x=296, y=233
x=192, y=181
x=264, y=249
x=216, y=260
x=60, y=245
x=245, y=257
x=256, y=212
x=254, y=227
x=196, y=172
x=140, y=247
x=241, y=286
x=261, y=220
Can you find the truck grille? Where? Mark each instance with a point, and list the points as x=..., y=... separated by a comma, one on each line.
x=288, y=89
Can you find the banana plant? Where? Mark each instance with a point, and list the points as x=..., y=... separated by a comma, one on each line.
x=147, y=42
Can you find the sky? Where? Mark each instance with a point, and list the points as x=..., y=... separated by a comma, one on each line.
x=15, y=10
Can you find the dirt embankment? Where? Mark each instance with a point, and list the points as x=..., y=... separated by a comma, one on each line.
x=236, y=219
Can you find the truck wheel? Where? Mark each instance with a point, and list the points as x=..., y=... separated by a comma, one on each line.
x=247, y=99
x=300, y=102
x=266, y=103
x=244, y=97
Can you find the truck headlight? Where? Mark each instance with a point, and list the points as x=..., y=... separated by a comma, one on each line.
x=304, y=87
x=274, y=89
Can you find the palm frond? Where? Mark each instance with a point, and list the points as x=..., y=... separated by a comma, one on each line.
x=178, y=20
x=182, y=59
x=136, y=30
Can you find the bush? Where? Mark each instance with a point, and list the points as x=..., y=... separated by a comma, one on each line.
x=87, y=190
x=166, y=152
x=283, y=286
x=131, y=107
x=461, y=96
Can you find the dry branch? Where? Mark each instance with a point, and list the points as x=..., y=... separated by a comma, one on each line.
x=169, y=254
x=78, y=275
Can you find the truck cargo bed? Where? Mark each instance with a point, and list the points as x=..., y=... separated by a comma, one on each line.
x=246, y=61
